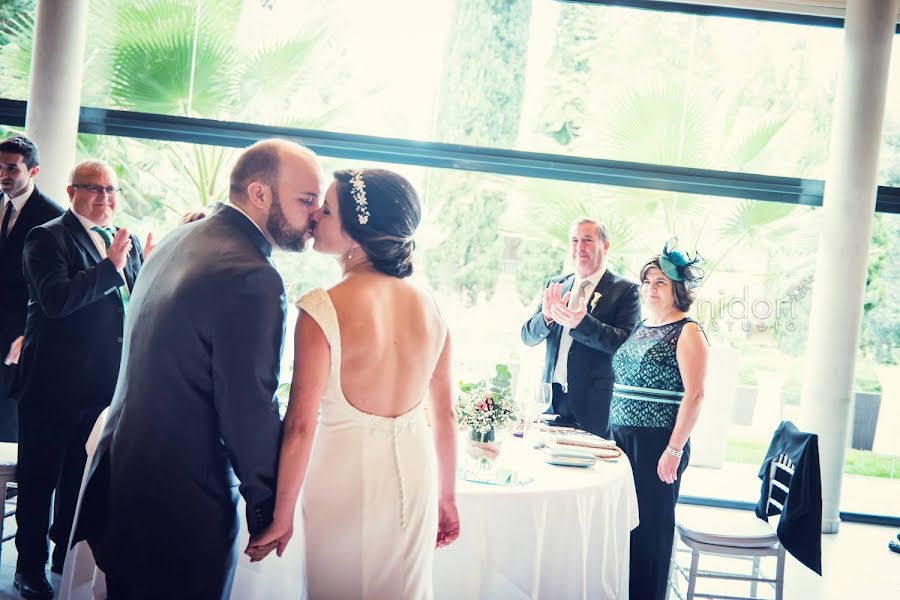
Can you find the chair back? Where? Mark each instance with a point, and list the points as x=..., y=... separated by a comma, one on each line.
x=781, y=470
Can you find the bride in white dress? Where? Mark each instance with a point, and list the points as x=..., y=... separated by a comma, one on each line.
x=378, y=483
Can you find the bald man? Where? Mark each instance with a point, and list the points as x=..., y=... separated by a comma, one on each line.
x=80, y=269
x=194, y=414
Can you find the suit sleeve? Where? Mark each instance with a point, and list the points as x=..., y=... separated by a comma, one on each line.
x=609, y=336
x=59, y=292
x=535, y=330
x=247, y=339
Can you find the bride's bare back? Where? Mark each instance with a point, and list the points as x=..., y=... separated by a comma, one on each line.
x=391, y=337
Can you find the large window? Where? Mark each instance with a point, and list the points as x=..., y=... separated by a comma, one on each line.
x=564, y=79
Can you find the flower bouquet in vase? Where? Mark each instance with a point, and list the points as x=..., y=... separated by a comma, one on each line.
x=486, y=408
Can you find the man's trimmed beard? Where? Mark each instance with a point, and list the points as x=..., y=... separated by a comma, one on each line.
x=285, y=237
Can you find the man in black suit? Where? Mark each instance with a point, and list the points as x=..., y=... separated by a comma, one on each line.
x=584, y=318
x=194, y=414
x=79, y=270
x=22, y=208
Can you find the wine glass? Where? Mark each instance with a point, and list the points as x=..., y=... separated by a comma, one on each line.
x=538, y=403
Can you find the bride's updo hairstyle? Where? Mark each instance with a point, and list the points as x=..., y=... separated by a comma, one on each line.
x=380, y=210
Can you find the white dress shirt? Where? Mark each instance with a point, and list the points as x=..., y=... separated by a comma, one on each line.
x=560, y=373
x=18, y=202
x=98, y=240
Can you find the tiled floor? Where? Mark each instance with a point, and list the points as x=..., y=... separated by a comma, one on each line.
x=856, y=565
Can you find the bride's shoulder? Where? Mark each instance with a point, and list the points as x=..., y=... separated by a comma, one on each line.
x=313, y=298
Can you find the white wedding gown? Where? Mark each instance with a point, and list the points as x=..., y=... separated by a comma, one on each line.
x=369, y=507
x=369, y=499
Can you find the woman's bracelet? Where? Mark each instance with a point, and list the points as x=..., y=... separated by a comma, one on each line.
x=674, y=452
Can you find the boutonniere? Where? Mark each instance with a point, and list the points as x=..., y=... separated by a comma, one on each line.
x=595, y=300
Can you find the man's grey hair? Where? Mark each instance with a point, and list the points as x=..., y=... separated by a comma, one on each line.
x=602, y=231
x=92, y=165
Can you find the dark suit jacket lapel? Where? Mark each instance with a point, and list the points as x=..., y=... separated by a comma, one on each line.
x=130, y=264
x=603, y=289
x=81, y=236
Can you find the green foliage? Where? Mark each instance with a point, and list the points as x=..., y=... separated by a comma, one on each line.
x=880, y=336
x=16, y=41
x=566, y=97
x=480, y=103
x=856, y=462
x=538, y=261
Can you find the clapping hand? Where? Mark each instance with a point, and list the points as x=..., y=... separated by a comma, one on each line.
x=552, y=297
x=119, y=249
x=448, y=523
x=149, y=245
x=275, y=537
x=568, y=317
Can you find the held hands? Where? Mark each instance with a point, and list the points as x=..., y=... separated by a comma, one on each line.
x=15, y=349
x=275, y=537
x=568, y=317
x=667, y=467
x=119, y=249
x=448, y=523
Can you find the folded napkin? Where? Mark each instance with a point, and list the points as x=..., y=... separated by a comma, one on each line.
x=585, y=440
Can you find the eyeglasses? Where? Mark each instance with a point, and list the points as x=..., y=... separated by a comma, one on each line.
x=95, y=189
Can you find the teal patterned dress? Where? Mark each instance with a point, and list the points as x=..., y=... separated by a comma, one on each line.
x=646, y=397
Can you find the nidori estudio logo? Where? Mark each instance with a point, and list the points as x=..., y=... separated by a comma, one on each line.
x=745, y=311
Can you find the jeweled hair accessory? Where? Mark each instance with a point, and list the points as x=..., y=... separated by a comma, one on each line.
x=678, y=266
x=358, y=192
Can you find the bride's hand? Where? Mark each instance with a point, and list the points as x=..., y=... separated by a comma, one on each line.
x=448, y=523
x=275, y=537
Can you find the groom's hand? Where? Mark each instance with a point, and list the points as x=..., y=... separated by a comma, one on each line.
x=275, y=537
x=257, y=553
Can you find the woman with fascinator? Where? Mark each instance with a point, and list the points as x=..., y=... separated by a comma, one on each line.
x=378, y=483
x=659, y=373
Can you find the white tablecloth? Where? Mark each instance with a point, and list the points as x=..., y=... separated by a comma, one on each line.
x=564, y=535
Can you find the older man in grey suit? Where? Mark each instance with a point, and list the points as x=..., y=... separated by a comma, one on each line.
x=194, y=414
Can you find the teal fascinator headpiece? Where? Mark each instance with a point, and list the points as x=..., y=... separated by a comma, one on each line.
x=678, y=266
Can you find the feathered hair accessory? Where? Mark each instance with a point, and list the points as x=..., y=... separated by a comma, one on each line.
x=678, y=266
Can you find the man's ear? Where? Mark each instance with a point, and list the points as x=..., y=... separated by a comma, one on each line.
x=34, y=171
x=71, y=192
x=258, y=194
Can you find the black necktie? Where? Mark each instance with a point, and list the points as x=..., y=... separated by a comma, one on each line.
x=7, y=216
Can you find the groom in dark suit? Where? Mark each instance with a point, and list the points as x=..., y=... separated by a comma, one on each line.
x=22, y=208
x=584, y=318
x=79, y=270
x=194, y=420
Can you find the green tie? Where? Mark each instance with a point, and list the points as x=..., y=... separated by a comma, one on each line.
x=106, y=234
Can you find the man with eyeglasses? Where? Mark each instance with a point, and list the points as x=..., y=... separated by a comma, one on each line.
x=80, y=269
x=22, y=207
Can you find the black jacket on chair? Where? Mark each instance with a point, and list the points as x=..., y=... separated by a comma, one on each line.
x=800, y=527
x=604, y=328
x=194, y=414
x=73, y=335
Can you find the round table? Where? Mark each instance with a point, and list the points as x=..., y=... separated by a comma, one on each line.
x=563, y=535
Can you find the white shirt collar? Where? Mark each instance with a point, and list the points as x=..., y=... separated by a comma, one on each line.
x=19, y=201
x=594, y=277
x=87, y=223
x=240, y=210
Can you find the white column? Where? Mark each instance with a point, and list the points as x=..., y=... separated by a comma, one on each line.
x=849, y=206
x=51, y=118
